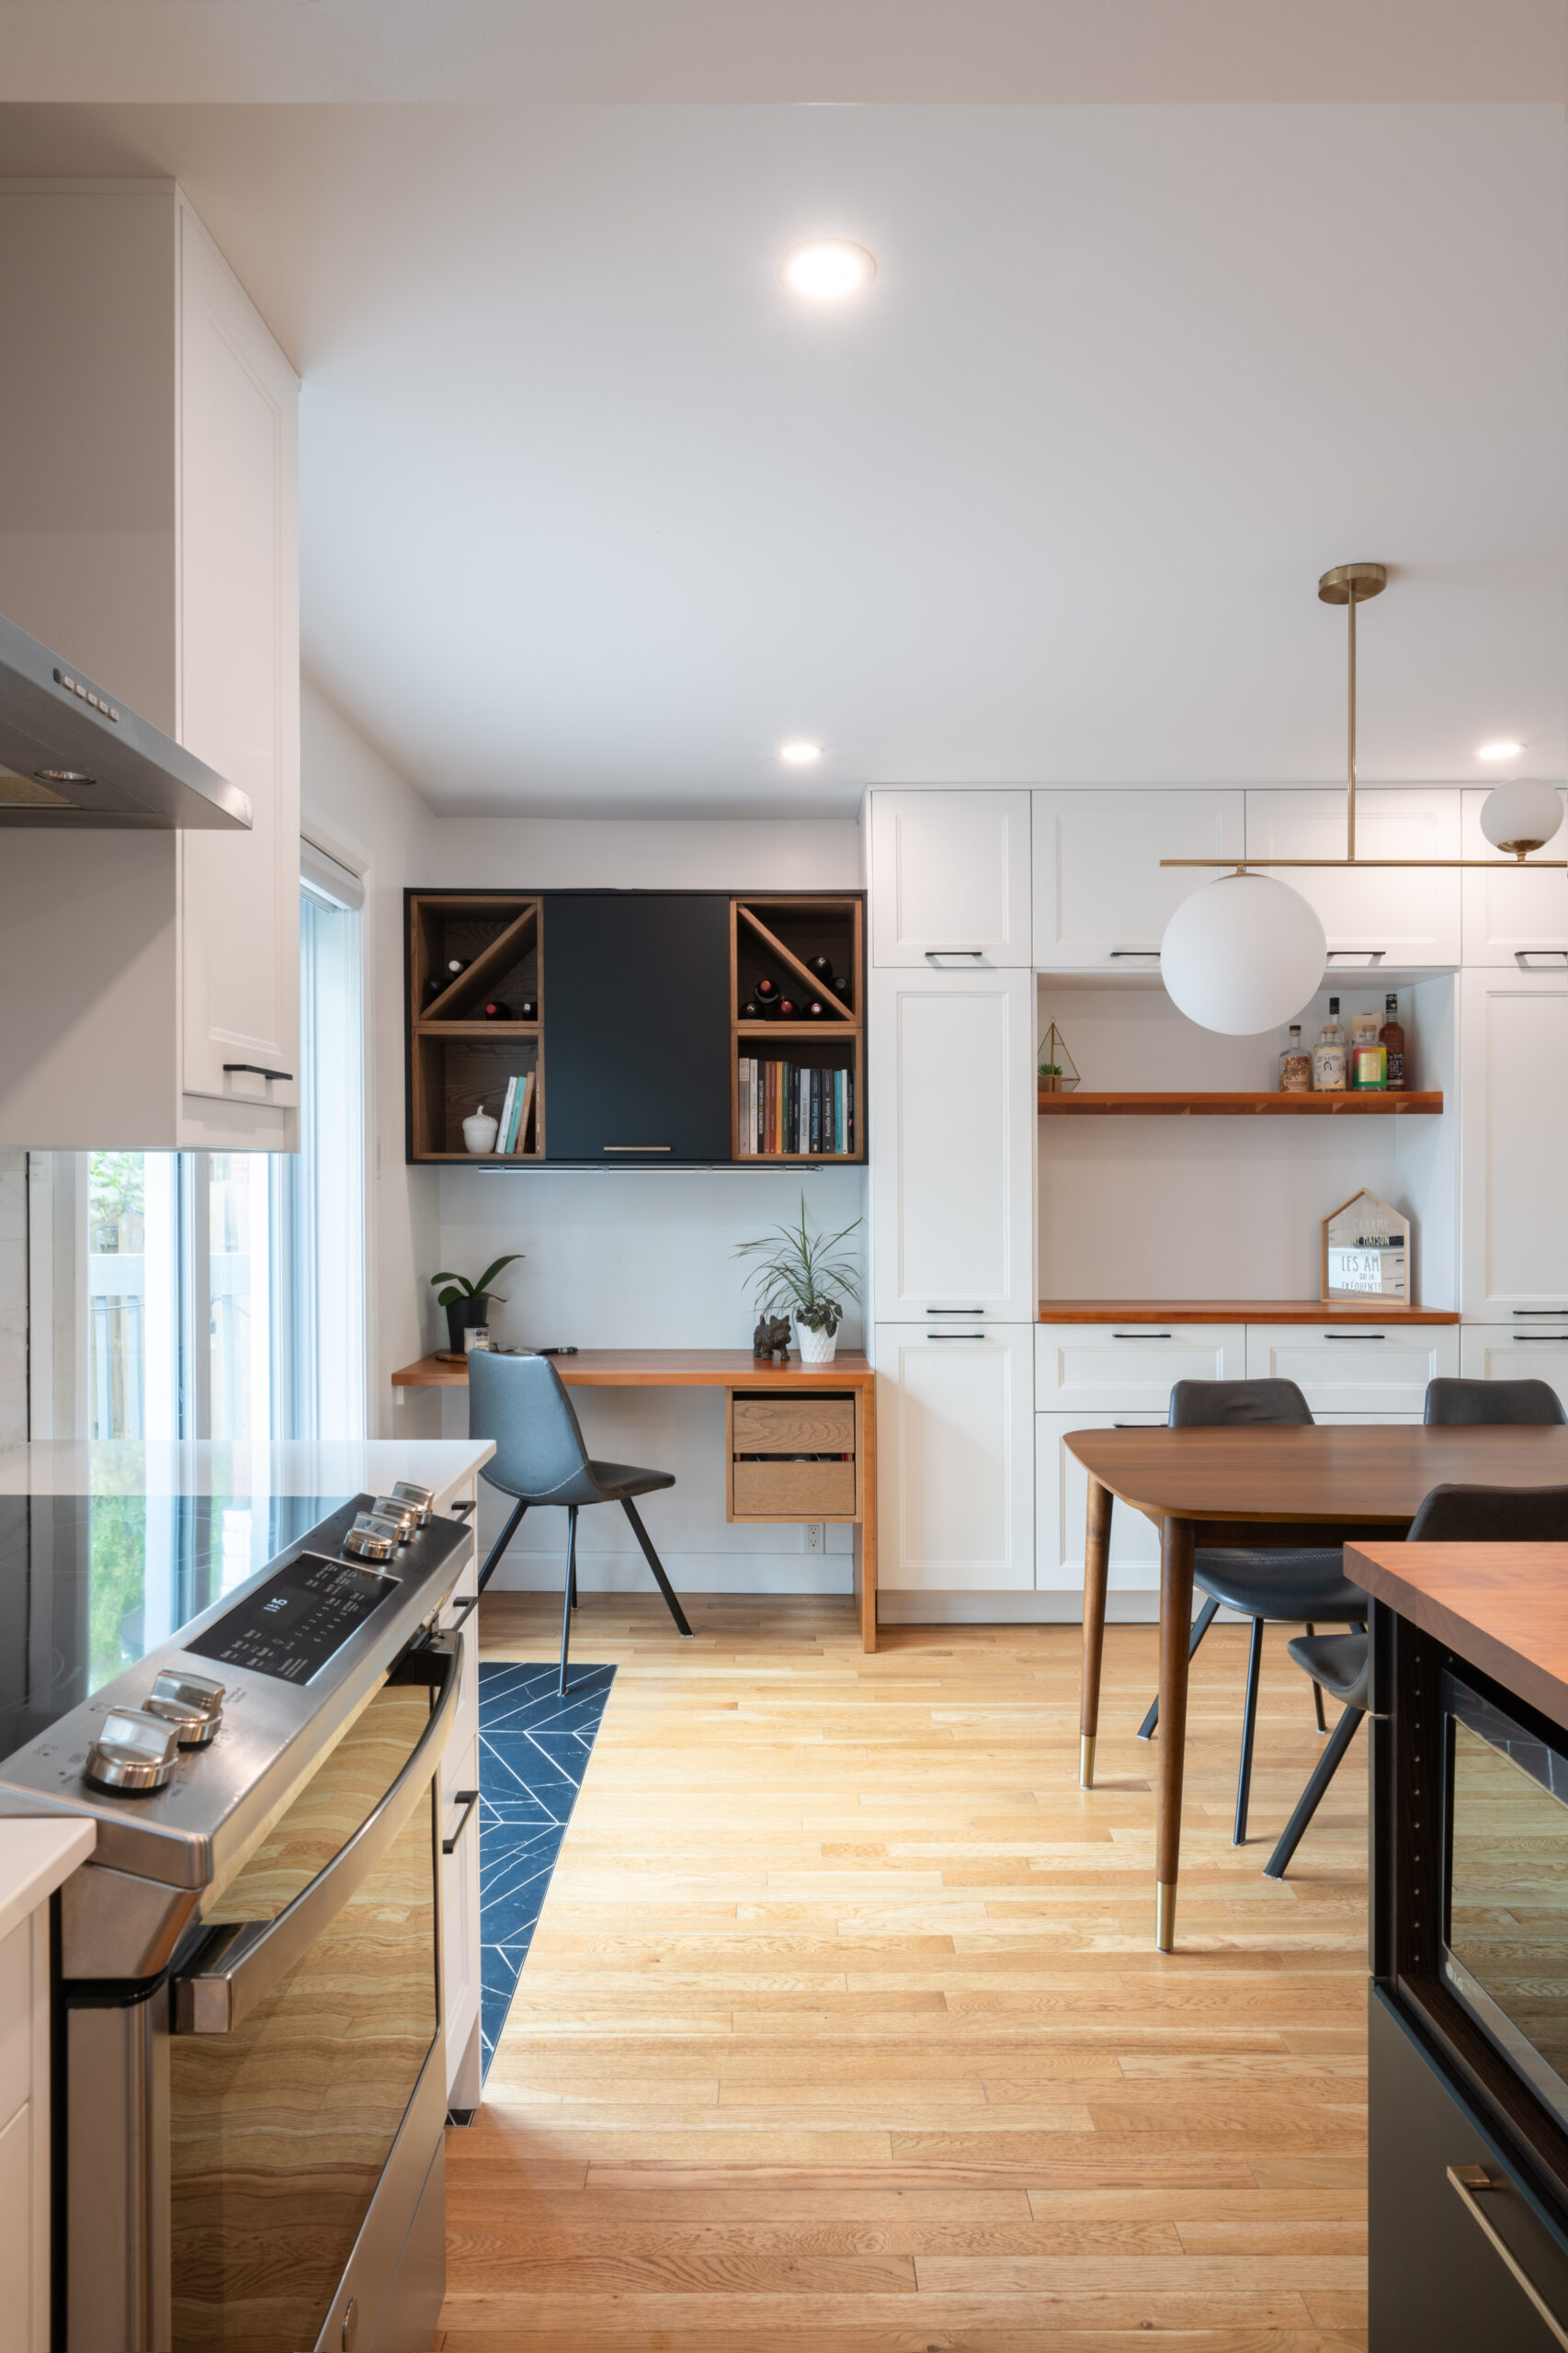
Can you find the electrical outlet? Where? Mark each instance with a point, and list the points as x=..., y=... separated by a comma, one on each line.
x=816, y=1536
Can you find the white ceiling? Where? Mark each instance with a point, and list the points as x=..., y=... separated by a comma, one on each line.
x=594, y=513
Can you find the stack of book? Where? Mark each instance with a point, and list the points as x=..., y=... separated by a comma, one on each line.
x=516, y=1114
x=783, y=1108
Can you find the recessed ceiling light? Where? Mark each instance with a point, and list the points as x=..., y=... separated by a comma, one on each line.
x=1498, y=751
x=799, y=754
x=829, y=271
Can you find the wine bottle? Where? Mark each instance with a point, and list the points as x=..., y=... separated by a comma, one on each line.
x=529, y=1010
x=751, y=1010
x=788, y=1009
x=815, y=1009
x=821, y=968
x=768, y=990
x=839, y=985
x=443, y=977
x=495, y=1011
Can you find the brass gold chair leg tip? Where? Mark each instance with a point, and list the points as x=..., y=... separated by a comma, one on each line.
x=1165, y=1915
x=1087, y=1760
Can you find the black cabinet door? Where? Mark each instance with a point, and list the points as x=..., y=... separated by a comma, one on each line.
x=1437, y=2284
x=636, y=990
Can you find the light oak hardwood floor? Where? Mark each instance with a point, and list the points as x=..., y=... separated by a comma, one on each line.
x=843, y=2030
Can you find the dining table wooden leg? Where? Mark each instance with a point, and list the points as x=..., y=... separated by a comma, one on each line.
x=1175, y=1628
x=1096, y=1568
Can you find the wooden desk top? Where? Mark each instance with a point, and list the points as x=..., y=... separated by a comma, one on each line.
x=1503, y=1607
x=1377, y=1472
x=665, y=1369
x=1236, y=1310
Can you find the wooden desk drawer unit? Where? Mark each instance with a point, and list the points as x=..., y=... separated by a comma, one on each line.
x=793, y=1457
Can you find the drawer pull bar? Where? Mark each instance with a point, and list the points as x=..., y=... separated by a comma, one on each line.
x=463, y=1610
x=1355, y=1335
x=956, y=1335
x=1551, y=1338
x=1560, y=1313
x=955, y=1311
x=1466, y=2182
x=1523, y=955
x=258, y=1069
x=1142, y=1335
x=637, y=1147
x=1133, y=952
x=467, y=1800
x=1360, y=955
x=933, y=954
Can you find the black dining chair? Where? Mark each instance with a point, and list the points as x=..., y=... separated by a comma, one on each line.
x=1341, y=1664
x=1480, y=1405
x=540, y=1458
x=1282, y=1586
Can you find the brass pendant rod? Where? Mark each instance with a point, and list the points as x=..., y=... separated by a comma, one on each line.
x=1488, y=865
x=1350, y=741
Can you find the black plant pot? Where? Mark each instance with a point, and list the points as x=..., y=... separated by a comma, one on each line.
x=465, y=1315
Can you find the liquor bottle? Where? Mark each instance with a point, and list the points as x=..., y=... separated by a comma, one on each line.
x=768, y=992
x=821, y=968
x=1328, y=1054
x=1368, y=1060
x=1295, y=1067
x=1391, y=1037
x=495, y=1011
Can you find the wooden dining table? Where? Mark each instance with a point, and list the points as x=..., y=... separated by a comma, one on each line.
x=1229, y=1490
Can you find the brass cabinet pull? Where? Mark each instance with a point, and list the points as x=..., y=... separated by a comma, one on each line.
x=1468, y=2182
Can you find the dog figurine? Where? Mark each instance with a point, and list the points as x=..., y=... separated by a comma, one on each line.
x=771, y=1337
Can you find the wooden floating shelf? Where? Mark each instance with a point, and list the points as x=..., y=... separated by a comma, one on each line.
x=476, y=1028
x=1270, y=1104
x=843, y=1031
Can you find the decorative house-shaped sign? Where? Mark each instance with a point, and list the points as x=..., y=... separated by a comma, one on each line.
x=1364, y=1252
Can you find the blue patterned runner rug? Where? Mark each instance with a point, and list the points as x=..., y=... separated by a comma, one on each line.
x=534, y=1748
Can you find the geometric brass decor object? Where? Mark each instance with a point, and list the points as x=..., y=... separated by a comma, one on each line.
x=1057, y=1072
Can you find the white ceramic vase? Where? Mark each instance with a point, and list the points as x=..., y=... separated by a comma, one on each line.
x=816, y=1347
x=479, y=1133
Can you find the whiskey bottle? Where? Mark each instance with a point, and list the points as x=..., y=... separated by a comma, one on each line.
x=1391, y=1037
x=1328, y=1054
x=1295, y=1066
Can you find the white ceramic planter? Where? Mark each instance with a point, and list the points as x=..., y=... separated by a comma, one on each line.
x=816, y=1347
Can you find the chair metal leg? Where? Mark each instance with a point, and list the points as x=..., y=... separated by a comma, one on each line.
x=676, y=1612
x=1249, y=1727
x=1317, y=1695
x=1312, y=1795
x=568, y=1592
x=493, y=1558
x=573, y=1587
x=1201, y=1624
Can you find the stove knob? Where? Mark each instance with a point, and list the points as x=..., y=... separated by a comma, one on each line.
x=134, y=1754
x=190, y=1703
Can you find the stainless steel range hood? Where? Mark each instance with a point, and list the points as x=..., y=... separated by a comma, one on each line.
x=73, y=755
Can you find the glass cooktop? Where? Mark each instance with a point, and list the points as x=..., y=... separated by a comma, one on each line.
x=89, y=1583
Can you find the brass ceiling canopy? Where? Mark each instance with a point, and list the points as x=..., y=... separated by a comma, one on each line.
x=1351, y=585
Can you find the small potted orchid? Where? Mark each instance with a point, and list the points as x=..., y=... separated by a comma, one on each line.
x=468, y=1304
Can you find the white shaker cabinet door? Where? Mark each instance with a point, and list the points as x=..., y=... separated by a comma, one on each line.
x=1061, y=1503
x=951, y=878
x=1532, y=1348
x=1378, y=1369
x=239, y=627
x=1101, y=898
x=1513, y=1143
x=1116, y=1368
x=1408, y=916
x=1518, y=920
x=952, y=1123
x=955, y=1496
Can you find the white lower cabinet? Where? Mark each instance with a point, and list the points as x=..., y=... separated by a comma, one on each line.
x=1378, y=1369
x=1098, y=1367
x=955, y=1445
x=1061, y=1498
x=1526, y=1351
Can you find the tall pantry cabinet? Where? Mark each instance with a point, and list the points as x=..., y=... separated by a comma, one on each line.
x=148, y=533
x=952, y=1195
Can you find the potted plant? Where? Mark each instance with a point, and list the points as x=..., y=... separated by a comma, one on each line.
x=468, y=1304
x=804, y=1275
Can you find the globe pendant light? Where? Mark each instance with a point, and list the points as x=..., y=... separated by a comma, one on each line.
x=1243, y=954
x=1521, y=815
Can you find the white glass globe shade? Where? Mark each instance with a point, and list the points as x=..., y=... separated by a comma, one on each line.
x=1242, y=955
x=1521, y=814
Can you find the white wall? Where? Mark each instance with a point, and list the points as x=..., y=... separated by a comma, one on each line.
x=642, y=1258
x=356, y=807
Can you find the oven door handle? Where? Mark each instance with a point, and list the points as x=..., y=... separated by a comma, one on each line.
x=240, y=1964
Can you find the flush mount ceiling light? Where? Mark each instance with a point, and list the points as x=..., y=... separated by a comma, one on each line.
x=827, y=271
x=1225, y=956
x=799, y=754
x=1498, y=751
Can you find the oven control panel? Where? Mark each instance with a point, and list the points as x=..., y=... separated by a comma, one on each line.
x=290, y=1626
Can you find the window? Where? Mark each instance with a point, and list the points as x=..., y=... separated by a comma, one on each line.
x=225, y=1291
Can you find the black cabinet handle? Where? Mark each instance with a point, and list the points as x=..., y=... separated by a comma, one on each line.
x=1468, y=2182
x=955, y=1311
x=1559, y=1312
x=1361, y=955
x=1145, y=952
x=459, y=1511
x=1142, y=1335
x=956, y=1335
x=467, y=1800
x=1521, y=954
x=1355, y=1335
x=932, y=953
x=258, y=1071
x=464, y=1609
x=1550, y=1338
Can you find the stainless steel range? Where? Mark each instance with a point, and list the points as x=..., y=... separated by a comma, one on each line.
x=251, y=2078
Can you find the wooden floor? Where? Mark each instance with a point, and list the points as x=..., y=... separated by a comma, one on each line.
x=843, y=2030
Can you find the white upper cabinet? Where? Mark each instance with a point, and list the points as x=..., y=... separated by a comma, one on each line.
x=1513, y=1143
x=952, y=1112
x=1513, y=919
x=152, y=539
x=1101, y=898
x=1411, y=916
x=951, y=878
x=954, y=1494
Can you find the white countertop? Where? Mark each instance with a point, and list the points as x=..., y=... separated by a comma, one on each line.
x=35, y=1856
x=334, y=1466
